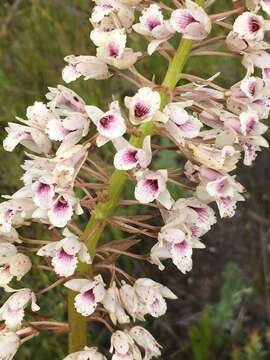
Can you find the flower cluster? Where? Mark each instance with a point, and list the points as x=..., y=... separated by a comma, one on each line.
x=212, y=128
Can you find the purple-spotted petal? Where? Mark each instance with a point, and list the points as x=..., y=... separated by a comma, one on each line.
x=43, y=194
x=60, y=212
x=182, y=256
x=64, y=264
x=147, y=190
x=111, y=125
x=126, y=159
x=85, y=302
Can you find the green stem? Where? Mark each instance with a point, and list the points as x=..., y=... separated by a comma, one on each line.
x=118, y=180
x=77, y=326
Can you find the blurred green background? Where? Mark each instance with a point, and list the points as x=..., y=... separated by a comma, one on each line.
x=223, y=311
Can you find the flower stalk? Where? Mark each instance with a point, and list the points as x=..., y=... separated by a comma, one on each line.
x=118, y=180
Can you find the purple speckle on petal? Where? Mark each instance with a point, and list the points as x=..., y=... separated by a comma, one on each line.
x=221, y=186
x=89, y=295
x=152, y=23
x=62, y=255
x=130, y=156
x=141, y=110
x=8, y=214
x=250, y=124
x=114, y=50
x=253, y=25
x=43, y=188
x=202, y=213
x=181, y=247
x=226, y=201
x=106, y=121
x=151, y=185
x=252, y=89
x=186, y=126
x=61, y=205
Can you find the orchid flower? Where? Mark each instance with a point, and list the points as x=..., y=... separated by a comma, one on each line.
x=188, y=220
x=110, y=125
x=221, y=188
x=65, y=253
x=191, y=21
x=146, y=341
x=180, y=124
x=250, y=93
x=153, y=25
x=12, y=312
x=12, y=264
x=250, y=26
x=104, y=8
x=91, y=292
x=151, y=186
x=129, y=157
x=210, y=125
x=145, y=297
x=87, y=66
x=124, y=347
x=111, y=48
x=144, y=106
x=62, y=99
x=15, y=211
x=112, y=303
x=86, y=354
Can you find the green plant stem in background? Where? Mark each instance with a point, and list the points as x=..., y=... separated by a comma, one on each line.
x=118, y=180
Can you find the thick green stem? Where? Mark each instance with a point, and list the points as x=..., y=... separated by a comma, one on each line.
x=118, y=180
x=77, y=326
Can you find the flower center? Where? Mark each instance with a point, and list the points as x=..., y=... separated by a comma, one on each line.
x=113, y=50
x=106, y=121
x=254, y=25
x=61, y=204
x=152, y=185
x=131, y=156
x=141, y=110
x=43, y=188
x=152, y=23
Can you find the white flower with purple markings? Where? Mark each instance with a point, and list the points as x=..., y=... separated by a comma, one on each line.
x=110, y=125
x=87, y=66
x=180, y=124
x=144, y=106
x=151, y=185
x=153, y=25
x=66, y=253
x=130, y=157
x=12, y=312
x=91, y=292
x=191, y=21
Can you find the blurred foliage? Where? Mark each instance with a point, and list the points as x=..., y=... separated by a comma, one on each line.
x=218, y=323
x=255, y=347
